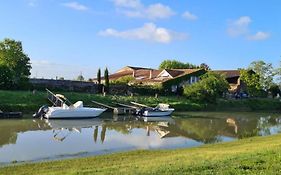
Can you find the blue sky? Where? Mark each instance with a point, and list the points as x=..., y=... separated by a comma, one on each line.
x=64, y=38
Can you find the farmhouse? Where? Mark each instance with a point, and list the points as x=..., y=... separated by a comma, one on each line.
x=170, y=78
x=173, y=79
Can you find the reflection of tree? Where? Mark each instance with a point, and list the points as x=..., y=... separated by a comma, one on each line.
x=103, y=131
x=96, y=130
x=9, y=129
x=201, y=129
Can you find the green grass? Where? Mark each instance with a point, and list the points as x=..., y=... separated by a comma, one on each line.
x=26, y=101
x=258, y=155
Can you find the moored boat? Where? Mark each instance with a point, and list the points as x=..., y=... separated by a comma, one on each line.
x=75, y=111
x=160, y=110
x=63, y=109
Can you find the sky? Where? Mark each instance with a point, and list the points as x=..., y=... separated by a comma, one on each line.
x=65, y=38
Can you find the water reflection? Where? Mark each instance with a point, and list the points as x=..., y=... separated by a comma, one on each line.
x=33, y=139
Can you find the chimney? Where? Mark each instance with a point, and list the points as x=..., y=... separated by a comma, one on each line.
x=134, y=73
x=150, y=74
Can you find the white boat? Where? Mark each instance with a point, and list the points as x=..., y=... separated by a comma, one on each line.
x=63, y=109
x=158, y=111
x=76, y=110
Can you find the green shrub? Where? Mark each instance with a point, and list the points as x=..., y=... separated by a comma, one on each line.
x=208, y=89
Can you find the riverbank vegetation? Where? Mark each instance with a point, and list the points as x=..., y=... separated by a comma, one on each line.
x=237, y=157
x=29, y=101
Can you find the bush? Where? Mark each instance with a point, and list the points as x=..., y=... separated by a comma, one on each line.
x=210, y=87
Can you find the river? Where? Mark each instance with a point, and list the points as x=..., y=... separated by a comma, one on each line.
x=29, y=140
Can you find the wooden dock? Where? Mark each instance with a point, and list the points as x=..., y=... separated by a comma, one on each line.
x=10, y=114
x=125, y=109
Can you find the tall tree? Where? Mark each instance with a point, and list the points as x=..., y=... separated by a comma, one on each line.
x=15, y=64
x=278, y=74
x=174, y=64
x=99, y=76
x=265, y=73
x=106, y=79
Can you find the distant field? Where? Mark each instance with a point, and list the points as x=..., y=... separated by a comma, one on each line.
x=26, y=101
x=258, y=155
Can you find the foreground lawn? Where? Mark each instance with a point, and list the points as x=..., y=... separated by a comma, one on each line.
x=258, y=155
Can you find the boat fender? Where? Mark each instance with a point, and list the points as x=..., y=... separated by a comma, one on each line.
x=42, y=111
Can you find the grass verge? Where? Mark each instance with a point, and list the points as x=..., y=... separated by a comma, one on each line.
x=26, y=101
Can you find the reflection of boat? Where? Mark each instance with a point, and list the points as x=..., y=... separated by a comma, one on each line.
x=63, y=108
x=158, y=119
x=63, y=128
x=71, y=124
x=160, y=110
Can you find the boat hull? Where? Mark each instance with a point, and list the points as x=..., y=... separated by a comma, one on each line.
x=75, y=113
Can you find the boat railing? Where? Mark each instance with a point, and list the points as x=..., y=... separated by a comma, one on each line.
x=57, y=100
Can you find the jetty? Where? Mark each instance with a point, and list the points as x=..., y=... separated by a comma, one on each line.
x=124, y=109
x=10, y=114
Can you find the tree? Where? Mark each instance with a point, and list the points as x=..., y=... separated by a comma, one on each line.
x=208, y=89
x=174, y=64
x=15, y=64
x=265, y=73
x=252, y=81
x=99, y=76
x=278, y=73
x=106, y=79
x=5, y=77
x=204, y=66
x=274, y=90
x=80, y=78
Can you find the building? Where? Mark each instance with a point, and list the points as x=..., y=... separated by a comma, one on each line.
x=234, y=80
x=170, y=78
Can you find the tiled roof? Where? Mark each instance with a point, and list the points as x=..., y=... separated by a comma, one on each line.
x=228, y=73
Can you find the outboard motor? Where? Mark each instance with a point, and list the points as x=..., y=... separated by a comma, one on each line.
x=140, y=112
x=41, y=112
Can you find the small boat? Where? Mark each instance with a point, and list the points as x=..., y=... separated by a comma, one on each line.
x=160, y=110
x=63, y=109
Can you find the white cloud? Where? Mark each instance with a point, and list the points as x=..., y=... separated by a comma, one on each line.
x=239, y=27
x=75, y=6
x=31, y=3
x=158, y=11
x=189, y=16
x=128, y=3
x=135, y=9
x=148, y=32
x=259, y=36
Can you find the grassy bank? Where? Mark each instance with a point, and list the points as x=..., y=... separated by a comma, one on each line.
x=258, y=155
x=26, y=101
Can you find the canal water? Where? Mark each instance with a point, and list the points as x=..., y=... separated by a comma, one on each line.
x=30, y=139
